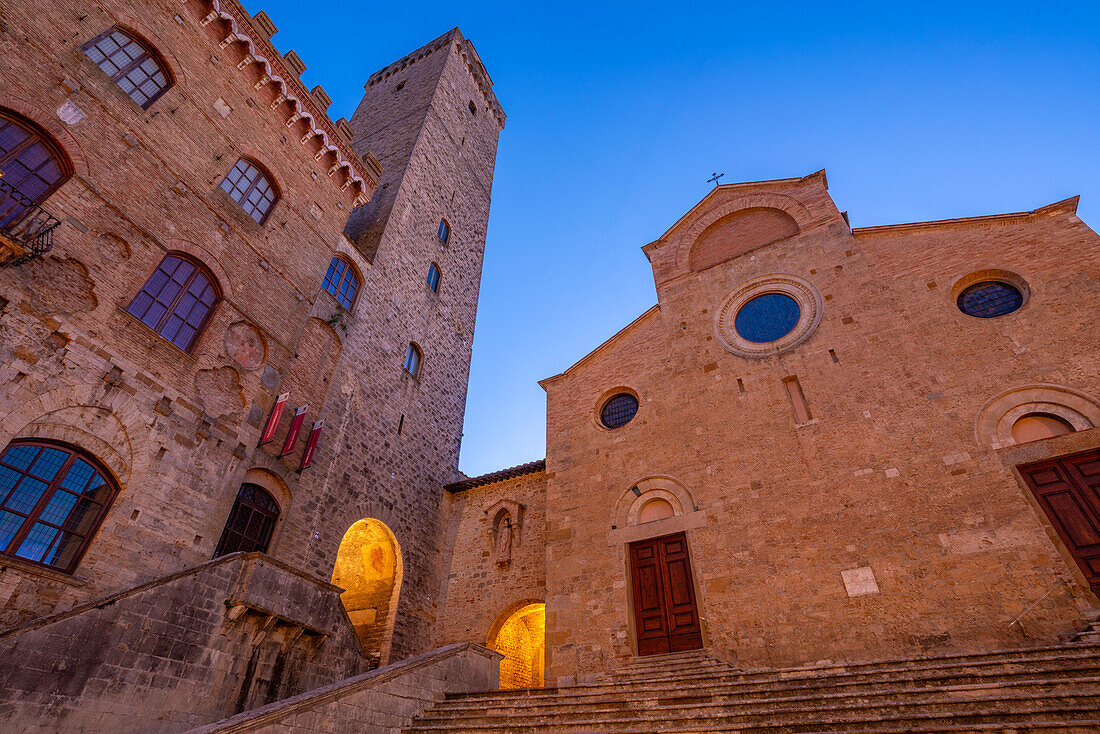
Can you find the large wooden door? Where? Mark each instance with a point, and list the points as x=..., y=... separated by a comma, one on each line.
x=1068, y=490
x=666, y=618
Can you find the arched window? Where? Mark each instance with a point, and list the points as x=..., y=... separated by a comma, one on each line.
x=433, y=278
x=413, y=358
x=177, y=300
x=32, y=165
x=444, y=231
x=132, y=64
x=341, y=281
x=253, y=189
x=250, y=523
x=54, y=498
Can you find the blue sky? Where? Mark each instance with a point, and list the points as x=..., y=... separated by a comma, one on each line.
x=618, y=114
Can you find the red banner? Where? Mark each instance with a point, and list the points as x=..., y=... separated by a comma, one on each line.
x=311, y=444
x=273, y=419
x=295, y=429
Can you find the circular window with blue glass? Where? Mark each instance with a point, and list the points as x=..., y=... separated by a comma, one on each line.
x=767, y=318
x=987, y=294
x=768, y=315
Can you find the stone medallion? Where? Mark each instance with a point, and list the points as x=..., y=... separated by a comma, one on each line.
x=245, y=346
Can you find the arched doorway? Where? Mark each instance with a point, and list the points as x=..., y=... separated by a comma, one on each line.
x=520, y=635
x=368, y=568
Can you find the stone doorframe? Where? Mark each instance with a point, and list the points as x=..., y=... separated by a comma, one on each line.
x=626, y=530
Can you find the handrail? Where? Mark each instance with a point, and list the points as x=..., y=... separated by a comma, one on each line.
x=26, y=223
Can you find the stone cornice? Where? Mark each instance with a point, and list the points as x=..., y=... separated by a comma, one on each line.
x=289, y=90
x=1067, y=206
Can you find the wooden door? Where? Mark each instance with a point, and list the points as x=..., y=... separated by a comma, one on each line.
x=666, y=618
x=1068, y=490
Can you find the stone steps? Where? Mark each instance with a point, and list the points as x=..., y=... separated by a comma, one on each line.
x=1041, y=689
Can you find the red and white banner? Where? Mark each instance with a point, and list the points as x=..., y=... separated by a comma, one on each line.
x=311, y=444
x=295, y=429
x=273, y=419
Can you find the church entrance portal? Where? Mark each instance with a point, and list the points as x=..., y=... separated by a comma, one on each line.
x=666, y=618
x=1068, y=490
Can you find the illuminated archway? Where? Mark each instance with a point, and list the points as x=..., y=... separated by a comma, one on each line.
x=520, y=635
x=368, y=568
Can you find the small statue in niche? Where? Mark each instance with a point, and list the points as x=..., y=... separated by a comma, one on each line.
x=503, y=533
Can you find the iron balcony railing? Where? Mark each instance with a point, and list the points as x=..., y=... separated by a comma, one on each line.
x=27, y=225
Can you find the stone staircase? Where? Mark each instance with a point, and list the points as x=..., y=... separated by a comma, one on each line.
x=1043, y=689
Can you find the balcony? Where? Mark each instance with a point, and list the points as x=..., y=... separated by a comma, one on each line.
x=26, y=229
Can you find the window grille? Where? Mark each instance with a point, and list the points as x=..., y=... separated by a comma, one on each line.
x=251, y=522
x=989, y=299
x=619, y=410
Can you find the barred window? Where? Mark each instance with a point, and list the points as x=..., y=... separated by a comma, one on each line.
x=132, y=65
x=54, y=498
x=251, y=522
x=619, y=410
x=250, y=187
x=413, y=358
x=990, y=298
x=177, y=300
x=433, y=278
x=341, y=281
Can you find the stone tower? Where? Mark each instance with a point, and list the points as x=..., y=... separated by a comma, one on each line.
x=432, y=120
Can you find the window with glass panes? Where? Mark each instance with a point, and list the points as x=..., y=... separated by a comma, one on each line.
x=130, y=64
x=341, y=281
x=433, y=278
x=412, y=360
x=444, y=230
x=31, y=163
x=53, y=499
x=250, y=523
x=177, y=300
x=247, y=185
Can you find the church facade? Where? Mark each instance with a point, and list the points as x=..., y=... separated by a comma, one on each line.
x=822, y=443
x=235, y=342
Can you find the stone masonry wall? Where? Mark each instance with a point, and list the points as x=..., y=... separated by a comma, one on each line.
x=890, y=474
x=230, y=635
x=478, y=591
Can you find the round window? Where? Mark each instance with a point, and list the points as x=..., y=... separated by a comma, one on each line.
x=990, y=298
x=619, y=410
x=767, y=318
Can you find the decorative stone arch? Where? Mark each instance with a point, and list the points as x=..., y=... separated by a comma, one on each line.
x=53, y=126
x=993, y=426
x=803, y=292
x=54, y=415
x=625, y=525
x=789, y=205
x=495, y=513
x=999, y=275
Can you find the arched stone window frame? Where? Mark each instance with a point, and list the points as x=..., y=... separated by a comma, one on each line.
x=200, y=269
x=999, y=275
x=123, y=72
x=993, y=426
x=264, y=175
x=336, y=281
x=39, y=511
x=38, y=134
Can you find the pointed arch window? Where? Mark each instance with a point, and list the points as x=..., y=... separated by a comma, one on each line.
x=52, y=500
x=32, y=164
x=248, y=185
x=177, y=300
x=251, y=522
x=131, y=63
x=433, y=278
x=413, y=358
x=342, y=281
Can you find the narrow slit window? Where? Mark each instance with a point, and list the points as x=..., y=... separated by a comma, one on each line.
x=444, y=231
x=433, y=278
x=413, y=358
x=798, y=400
